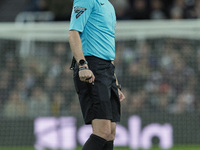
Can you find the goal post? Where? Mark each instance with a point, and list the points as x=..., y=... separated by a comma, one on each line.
x=124, y=30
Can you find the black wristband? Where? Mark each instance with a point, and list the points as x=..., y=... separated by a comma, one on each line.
x=119, y=86
x=83, y=68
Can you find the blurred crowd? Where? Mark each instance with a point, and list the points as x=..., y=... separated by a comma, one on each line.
x=160, y=75
x=38, y=83
x=60, y=10
x=126, y=9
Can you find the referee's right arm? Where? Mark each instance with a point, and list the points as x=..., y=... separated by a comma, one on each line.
x=76, y=47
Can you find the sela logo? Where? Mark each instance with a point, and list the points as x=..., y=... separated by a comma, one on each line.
x=62, y=133
x=79, y=11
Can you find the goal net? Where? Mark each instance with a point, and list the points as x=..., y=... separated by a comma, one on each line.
x=157, y=64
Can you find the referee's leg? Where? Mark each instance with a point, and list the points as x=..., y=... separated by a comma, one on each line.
x=102, y=137
x=110, y=141
x=103, y=128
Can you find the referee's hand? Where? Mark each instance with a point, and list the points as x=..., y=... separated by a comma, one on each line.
x=86, y=75
x=121, y=95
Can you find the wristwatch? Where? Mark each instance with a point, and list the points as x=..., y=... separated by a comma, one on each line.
x=82, y=62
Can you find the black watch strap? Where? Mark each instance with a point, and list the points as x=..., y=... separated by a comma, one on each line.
x=83, y=68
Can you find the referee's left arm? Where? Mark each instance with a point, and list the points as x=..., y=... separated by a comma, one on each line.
x=121, y=95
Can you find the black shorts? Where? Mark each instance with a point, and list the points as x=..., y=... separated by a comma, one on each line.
x=101, y=100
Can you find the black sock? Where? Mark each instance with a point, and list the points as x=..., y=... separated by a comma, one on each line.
x=94, y=143
x=108, y=145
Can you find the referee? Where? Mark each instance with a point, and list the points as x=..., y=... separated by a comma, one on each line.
x=92, y=41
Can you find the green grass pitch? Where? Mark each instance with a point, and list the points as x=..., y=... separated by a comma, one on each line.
x=117, y=148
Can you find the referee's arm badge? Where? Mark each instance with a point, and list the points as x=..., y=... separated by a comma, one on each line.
x=79, y=11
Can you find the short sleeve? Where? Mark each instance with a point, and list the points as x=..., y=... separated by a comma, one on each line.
x=80, y=13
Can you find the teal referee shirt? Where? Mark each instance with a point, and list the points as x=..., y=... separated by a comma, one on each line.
x=95, y=20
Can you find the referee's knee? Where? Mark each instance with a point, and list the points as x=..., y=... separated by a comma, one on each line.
x=111, y=137
x=104, y=129
x=106, y=134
